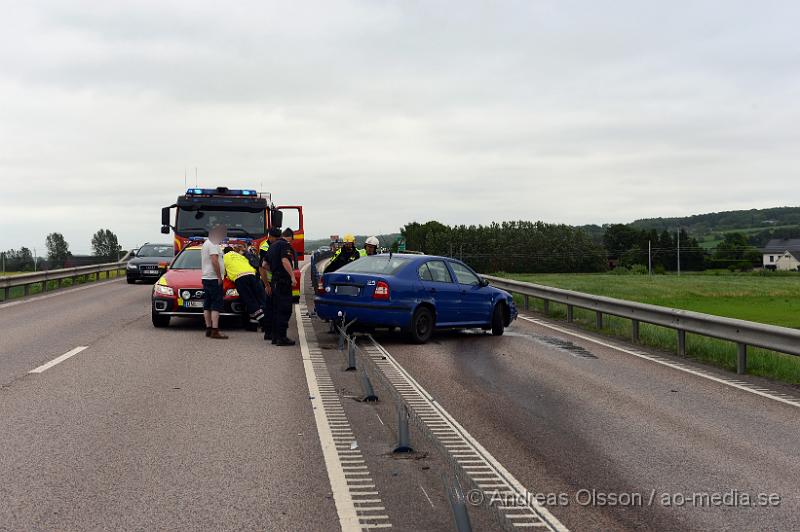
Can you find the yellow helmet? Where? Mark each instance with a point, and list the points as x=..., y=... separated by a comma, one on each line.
x=349, y=238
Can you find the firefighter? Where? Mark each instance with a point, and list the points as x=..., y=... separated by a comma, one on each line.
x=344, y=255
x=239, y=270
x=281, y=264
x=371, y=246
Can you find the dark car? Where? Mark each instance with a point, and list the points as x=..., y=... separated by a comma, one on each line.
x=416, y=293
x=149, y=262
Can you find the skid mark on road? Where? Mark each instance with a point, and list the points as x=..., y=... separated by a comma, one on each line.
x=686, y=368
x=558, y=343
x=357, y=500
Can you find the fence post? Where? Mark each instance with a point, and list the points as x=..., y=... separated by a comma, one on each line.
x=570, y=313
x=741, y=358
x=403, y=441
x=681, y=342
x=635, y=330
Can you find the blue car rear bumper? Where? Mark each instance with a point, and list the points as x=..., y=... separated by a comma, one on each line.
x=369, y=314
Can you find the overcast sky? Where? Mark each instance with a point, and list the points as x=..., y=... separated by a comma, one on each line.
x=372, y=114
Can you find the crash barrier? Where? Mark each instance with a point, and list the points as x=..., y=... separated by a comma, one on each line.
x=467, y=464
x=316, y=258
x=45, y=277
x=742, y=333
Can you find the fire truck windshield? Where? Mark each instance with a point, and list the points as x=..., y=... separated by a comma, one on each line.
x=239, y=223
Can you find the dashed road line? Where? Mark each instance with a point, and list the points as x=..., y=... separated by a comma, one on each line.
x=58, y=360
x=734, y=383
x=357, y=500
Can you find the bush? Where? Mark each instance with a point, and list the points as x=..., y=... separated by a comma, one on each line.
x=639, y=269
x=659, y=269
x=620, y=270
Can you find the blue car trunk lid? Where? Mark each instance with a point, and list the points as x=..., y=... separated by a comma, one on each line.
x=358, y=286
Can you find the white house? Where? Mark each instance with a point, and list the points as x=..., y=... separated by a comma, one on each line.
x=782, y=254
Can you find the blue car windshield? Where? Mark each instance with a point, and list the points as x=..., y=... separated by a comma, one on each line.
x=379, y=264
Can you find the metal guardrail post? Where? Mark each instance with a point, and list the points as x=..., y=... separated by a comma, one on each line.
x=682, y=342
x=635, y=330
x=403, y=439
x=351, y=355
x=598, y=319
x=458, y=505
x=741, y=358
x=570, y=313
x=546, y=306
x=366, y=386
x=526, y=303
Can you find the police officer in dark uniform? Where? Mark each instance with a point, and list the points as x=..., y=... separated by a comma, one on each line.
x=281, y=263
x=266, y=277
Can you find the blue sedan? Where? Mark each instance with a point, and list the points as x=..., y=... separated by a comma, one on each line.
x=416, y=293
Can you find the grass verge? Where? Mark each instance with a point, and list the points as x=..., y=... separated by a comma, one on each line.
x=19, y=291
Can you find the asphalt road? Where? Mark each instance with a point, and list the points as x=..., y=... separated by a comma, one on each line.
x=163, y=429
x=151, y=428
x=567, y=416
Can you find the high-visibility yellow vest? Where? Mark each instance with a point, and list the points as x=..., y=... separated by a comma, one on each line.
x=236, y=265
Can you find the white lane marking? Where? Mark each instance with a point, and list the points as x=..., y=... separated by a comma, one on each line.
x=59, y=292
x=348, y=519
x=740, y=385
x=69, y=354
x=338, y=444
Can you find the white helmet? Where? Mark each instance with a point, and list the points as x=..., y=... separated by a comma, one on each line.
x=372, y=241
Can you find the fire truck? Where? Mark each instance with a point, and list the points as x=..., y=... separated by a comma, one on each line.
x=247, y=214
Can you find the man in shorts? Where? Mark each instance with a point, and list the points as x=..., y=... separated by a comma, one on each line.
x=213, y=267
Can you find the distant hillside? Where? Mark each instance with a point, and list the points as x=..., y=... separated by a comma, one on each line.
x=758, y=224
x=386, y=241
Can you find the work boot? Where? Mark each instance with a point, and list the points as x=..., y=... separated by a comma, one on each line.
x=208, y=332
x=217, y=335
x=284, y=341
x=267, y=335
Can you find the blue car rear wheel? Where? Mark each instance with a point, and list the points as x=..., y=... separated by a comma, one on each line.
x=421, y=325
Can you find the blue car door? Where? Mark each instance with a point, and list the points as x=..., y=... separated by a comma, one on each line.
x=476, y=303
x=440, y=288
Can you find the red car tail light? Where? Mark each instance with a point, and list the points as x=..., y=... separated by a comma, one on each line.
x=381, y=290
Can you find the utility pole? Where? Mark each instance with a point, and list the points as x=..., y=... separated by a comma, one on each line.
x=679, y=251
x=649, y=258
x=34, y=259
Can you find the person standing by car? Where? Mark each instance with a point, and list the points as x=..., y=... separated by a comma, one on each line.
x=239, y=270
x=213, y=268
x=266, y=279
x=281, y=264
x=344, y=255
x=371, y=246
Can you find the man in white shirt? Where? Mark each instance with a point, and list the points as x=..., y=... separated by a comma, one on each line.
x=213, y=267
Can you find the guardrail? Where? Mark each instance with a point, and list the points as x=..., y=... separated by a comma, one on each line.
x=742, y=333
x=27, y=280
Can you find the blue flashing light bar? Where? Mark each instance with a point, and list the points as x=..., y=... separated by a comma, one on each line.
x=220, y=191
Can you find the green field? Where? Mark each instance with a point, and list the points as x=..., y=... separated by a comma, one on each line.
x=772, y=299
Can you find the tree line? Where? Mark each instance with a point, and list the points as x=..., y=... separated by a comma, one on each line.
x=538, y=247
x=105, y=247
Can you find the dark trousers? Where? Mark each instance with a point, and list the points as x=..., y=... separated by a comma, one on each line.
x=251, y=294
x=268, y=319
x=281, y=307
